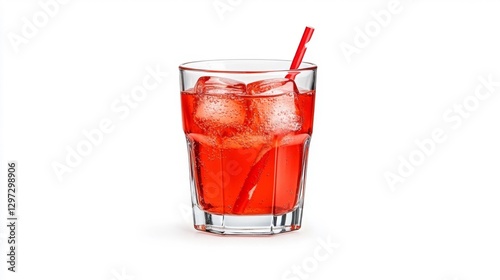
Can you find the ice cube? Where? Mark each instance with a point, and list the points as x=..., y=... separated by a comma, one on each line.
x=244, y=140
x=219, y=85
x=220, y=109
x=275, y=107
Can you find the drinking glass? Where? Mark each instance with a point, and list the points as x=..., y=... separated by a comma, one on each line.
x=248, y=125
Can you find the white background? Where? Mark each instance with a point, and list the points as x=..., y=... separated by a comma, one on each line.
x=122, y=213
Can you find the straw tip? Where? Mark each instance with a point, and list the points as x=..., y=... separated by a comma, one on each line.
x=308, y=32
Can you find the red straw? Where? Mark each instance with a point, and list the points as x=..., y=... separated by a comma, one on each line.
x=253, y=176
x=251, y=181
x=301, y=50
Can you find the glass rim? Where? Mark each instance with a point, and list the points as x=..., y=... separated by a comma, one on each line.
x=306, y=66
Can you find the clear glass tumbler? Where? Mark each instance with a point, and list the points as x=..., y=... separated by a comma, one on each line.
x=248, y=125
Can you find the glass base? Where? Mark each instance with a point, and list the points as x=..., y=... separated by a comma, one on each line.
x=247, y=224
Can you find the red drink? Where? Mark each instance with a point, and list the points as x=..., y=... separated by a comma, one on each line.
x=248, y=144
x=248, y=128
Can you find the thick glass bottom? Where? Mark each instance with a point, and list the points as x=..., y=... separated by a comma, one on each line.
x=247, y=224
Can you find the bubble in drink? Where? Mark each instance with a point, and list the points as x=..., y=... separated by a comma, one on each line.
x=276, y=110
x=219, y=106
